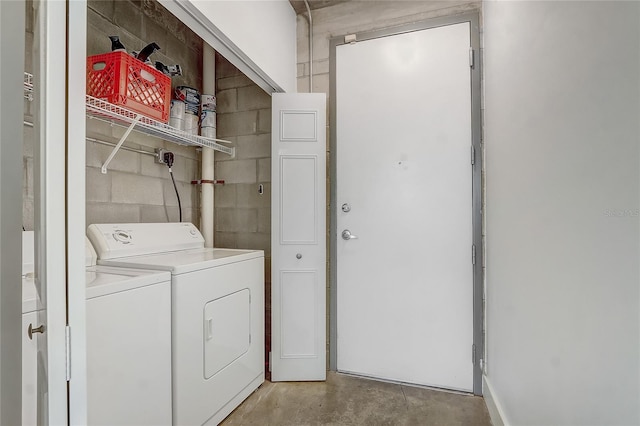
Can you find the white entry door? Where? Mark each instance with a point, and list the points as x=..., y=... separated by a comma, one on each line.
x=298, y=235
x=404, y=208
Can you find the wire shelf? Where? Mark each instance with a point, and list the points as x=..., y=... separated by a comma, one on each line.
x=28, y=86
x=105, y=111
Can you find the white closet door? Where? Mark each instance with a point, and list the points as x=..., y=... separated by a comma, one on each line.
x=298, y=234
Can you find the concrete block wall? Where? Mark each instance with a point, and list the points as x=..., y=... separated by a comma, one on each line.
x=358, y=16
x=135, y=189
x=242, y=214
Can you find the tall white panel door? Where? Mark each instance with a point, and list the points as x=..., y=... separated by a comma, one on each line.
x=298, y=235
x=50, y=118
x=404, y=189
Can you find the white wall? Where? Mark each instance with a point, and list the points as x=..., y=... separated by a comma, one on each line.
x=11, y=69
x=562, y=113
x=263, y=31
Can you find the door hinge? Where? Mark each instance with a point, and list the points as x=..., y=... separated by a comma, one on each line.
x=351, y=39
x=67, y=344
x=473, y=155
x=269, y=361
x=483, y=361
x=473, y=354
x=473, y=254
x=471, y=57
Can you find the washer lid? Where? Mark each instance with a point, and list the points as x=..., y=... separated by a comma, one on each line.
x=29, y=296
x=103, y=280
x=181, y=262
x=27, y=252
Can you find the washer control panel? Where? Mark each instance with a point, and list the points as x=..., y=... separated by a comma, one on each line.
x=134, y=239
x=122, y=236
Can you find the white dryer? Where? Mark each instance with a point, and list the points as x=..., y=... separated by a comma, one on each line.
x=128, y=343
x=217, y=312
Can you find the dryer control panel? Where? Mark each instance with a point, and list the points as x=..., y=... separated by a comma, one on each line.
x=115, y=240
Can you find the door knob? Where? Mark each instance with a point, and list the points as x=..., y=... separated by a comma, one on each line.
x=31, y=331
x=347, y=235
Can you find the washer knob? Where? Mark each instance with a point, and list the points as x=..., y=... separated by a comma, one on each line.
x=122, y=236
x=299, y=256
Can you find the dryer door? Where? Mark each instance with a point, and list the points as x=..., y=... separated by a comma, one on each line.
x=227, y=330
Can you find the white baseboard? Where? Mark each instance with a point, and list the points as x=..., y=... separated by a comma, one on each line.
x=493, y=404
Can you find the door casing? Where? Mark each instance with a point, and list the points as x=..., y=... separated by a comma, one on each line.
x=50, y=261
x=476, y=135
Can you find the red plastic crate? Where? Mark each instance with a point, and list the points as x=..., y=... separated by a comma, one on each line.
x=123, y=80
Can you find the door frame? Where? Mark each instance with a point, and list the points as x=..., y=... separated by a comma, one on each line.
x=50, y=261
x=475, y=155
x=75, y=209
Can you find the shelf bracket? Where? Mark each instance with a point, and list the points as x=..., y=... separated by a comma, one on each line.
x=120, y=142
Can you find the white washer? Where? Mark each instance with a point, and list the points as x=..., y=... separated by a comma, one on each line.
x=128, y=344
x=128, y=347
x=217, y=312
x=29, y=347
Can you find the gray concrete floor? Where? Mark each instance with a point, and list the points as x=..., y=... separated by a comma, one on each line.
x=348, y=400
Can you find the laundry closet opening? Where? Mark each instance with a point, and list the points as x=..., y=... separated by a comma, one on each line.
x=136, y=187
